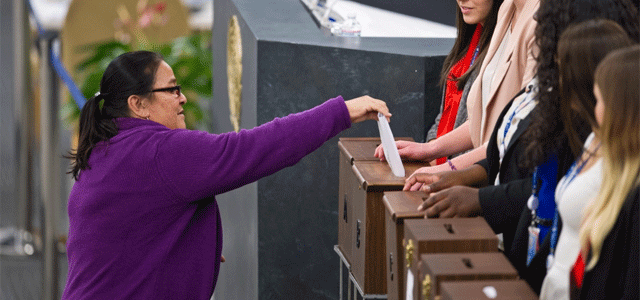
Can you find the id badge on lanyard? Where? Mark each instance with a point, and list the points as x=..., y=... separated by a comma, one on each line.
x=534, y=236
x=534, y=230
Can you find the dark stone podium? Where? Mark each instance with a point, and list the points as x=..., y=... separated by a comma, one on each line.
x=279, y=233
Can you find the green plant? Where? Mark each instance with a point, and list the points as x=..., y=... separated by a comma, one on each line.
x=189, y=57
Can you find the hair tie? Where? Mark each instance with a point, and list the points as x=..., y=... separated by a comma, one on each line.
x=100, y=97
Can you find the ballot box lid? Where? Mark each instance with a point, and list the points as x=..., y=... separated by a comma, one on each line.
x=362, y=148
x=467, y=266
x=401, y=204
x=429, y=230
x=486, y=290
x=377, y=175
x=434, y=269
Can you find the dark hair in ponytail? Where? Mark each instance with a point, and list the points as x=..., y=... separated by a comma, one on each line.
x=129, y=74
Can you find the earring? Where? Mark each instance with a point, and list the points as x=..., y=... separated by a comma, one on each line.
x=147, y=118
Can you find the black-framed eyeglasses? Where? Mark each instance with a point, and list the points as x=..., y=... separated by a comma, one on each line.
x=172, y=89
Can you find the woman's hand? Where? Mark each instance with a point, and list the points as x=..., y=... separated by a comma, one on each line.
x=366, y=108
x=473, y=176
x=431, y=182
x=433, y=174
x=457, y=201
x=408, y=150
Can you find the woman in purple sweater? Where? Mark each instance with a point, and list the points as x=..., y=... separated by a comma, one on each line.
x=144, y=223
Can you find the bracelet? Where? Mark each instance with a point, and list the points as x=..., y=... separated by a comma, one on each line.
x=453, y=168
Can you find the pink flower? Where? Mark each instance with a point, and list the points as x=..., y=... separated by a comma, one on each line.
x=145, y=19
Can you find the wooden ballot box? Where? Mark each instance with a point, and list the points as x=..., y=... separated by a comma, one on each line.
x=424, y=236
x=352, y=149
x=361, y=233
x=487, y=289
x=435, y=269
x=399, y=206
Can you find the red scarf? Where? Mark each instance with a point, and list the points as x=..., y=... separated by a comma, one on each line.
x=452, y=94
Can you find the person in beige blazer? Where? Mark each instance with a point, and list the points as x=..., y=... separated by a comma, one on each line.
x=514, y=68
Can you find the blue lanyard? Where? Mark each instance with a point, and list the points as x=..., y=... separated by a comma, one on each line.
x=554, y=239
x=571, y=175
x=542, y=210
x=515, y=112
x=506, y=127
x=475, y=54
x=532, y=204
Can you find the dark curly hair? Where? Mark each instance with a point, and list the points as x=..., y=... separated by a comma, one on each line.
x=547, y=129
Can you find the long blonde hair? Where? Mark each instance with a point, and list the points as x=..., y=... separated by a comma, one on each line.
x=618, y=82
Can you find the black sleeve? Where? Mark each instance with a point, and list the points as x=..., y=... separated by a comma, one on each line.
x=485, y=164
x=616, y=274
x=502, y=206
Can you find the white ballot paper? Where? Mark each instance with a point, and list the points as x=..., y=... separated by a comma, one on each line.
x=409, y=290
x=389, y=146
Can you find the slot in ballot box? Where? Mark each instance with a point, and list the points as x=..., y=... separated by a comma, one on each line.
x=425, y=236
x=487, y=289
x=399, y=207
x=361, y=232
x=435, y=269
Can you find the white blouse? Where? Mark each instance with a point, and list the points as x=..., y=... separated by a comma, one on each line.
x=571, y=202
x=518, y=111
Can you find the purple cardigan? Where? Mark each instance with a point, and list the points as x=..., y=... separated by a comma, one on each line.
x=144, y=223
